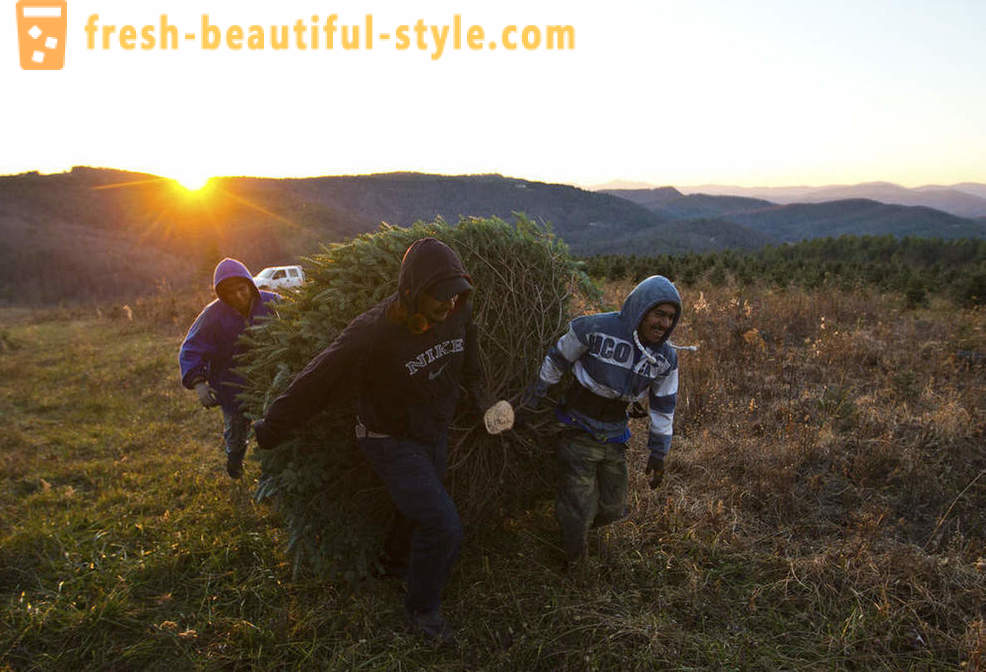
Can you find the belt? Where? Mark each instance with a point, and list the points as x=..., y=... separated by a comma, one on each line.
x=593, y=406
x=566, y=419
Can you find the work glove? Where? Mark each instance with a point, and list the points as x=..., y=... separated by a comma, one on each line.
x=637, y=410
x=655, y=467
x=207, y=395
x=499, y=417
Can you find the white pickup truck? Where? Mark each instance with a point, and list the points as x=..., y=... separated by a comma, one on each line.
x=277, y=277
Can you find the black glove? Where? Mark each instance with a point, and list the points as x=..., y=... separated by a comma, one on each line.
x=636, y=410
x=531, y=401
x=655, y=466
x=528, y=407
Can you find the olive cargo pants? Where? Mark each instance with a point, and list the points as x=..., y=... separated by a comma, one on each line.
x=592, y=488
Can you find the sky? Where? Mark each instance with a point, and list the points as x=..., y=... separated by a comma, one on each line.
x=680, y=92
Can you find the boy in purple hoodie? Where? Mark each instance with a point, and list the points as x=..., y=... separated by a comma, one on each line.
x=209, y=348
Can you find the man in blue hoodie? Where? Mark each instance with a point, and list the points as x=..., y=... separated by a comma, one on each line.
x=407, y=358
x=209, y=348
x=616, y=359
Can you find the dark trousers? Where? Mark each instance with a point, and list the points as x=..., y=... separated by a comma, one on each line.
x=413, y=475
x=236, y=430
x=592, y=488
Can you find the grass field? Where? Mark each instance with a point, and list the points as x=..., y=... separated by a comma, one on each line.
x=824, y=509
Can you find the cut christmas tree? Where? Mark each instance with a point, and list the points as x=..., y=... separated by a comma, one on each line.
x=527, y=288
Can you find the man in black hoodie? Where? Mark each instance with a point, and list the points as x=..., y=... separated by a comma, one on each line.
x=407, y=357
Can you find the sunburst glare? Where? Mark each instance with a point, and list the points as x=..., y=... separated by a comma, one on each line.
x=193, y=181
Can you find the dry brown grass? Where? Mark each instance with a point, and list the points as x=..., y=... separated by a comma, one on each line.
x=823, y=510
x=841, y=435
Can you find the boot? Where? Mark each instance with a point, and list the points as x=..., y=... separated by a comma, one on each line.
x=234, y=464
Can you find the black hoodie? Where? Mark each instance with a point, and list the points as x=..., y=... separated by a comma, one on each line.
x=407, y=383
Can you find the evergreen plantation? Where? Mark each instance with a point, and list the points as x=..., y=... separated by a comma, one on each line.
x=915, y=267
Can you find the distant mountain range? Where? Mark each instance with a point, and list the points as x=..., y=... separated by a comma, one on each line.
x=97, y=233
x=967, y=199
x=802, y=220
x=672, y=204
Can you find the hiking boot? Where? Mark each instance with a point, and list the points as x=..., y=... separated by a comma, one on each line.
x=234, y=464
x=432, y=627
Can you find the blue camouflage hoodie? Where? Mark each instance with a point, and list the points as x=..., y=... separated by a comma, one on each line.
x=609, y=360
x=210, y=346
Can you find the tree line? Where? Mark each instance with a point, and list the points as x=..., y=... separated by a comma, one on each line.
x=914, y=267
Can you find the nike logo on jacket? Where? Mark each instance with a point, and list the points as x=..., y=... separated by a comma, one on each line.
x=435, y=374
x=433, y=353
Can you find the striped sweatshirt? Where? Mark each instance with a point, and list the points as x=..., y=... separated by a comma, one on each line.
x=608, y=359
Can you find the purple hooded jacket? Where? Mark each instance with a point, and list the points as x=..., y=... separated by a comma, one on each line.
x=210, y=345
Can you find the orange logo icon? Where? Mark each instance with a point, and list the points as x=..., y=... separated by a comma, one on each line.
x=41, y=28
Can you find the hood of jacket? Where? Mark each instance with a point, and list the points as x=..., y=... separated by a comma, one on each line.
x=426, y=261
x=649, y=293
x=231, y=268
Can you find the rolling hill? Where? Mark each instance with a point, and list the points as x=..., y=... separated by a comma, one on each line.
x=113, y=233
x=800, y=221
x=700, y=235
x=671, y=204
x=967, y=199
x=92, y=234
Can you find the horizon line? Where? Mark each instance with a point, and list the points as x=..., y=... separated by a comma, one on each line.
x=595, y=186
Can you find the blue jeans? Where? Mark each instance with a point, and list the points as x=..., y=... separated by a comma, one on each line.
x=236, y=429
x=413, y=475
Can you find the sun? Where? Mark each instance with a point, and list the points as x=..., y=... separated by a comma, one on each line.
x=193, y=181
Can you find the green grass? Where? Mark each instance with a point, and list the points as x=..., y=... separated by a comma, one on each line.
x=793, y=536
